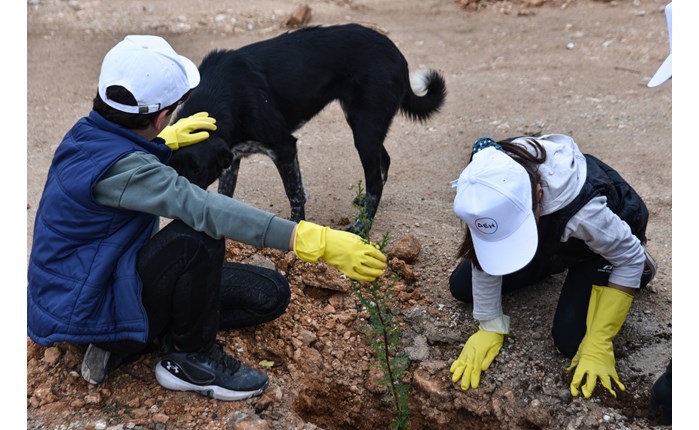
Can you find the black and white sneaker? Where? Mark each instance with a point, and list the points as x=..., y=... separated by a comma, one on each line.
x=97, y=363
x=210, y=372
x=649, y=269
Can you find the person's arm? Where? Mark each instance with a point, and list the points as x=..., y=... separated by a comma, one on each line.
x=606, y=234
x=139, y=182
x=482, y=347
x=487, y=301
x=609, y=236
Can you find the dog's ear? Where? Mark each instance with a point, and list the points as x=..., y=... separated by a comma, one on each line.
x=224, y=156
x=187, y=162
x=203, y=162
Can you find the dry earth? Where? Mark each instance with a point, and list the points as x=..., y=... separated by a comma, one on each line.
x=511, y=67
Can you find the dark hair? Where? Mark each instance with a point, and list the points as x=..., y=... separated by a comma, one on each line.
x=526, y=159
x=132, y=121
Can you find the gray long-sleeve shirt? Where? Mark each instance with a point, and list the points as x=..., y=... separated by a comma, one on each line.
x=140, y=182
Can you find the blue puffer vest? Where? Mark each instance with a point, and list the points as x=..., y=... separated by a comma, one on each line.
x=82, y=281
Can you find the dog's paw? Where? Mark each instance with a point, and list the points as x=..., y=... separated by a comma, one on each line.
x=359, y=200
x=360, y=228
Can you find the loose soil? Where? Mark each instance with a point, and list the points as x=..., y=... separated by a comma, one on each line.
x=511, y=67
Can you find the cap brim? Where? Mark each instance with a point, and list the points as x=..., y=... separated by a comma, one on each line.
x=192, y=72
x=663, y=74
x=510, y=254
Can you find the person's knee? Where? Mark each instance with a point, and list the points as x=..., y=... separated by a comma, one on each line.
x=196, y=241
x=460, y=293
x=565, y=343
x=460, y=283
x=280, y=301
x=257, y=296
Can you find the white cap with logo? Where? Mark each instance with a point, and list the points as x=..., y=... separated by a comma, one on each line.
x=494, y=199
x=664, y=72
x=150, y=69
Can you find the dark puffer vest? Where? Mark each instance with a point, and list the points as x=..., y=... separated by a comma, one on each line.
x=622, y=199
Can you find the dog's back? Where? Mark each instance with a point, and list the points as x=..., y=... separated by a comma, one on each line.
x=261, y=93
x=308, y=68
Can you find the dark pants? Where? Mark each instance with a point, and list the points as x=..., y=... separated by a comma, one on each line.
x=569, y=321
x=189, y=292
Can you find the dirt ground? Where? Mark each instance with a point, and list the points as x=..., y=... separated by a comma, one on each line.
x=511, y=68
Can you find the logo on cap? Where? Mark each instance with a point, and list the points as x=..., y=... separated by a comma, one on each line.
x=486, y=225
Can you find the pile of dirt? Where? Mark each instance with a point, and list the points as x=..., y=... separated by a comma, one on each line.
x=324, y=373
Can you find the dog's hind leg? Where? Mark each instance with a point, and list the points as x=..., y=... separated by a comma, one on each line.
x=385, y=164
x=229, y=178
x=369, y=134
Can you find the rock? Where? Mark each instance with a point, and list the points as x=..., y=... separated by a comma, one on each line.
x=407, y=248
x=309, y=358
x=261, y=261
x=43, y=395
x=244, y=421
x=432, y=388
x=307, y=337
x=93, y=398
x=406, y=272
x=160, y=418
x=419, y=350
x=52, y=355
x=537, y=415
x=299, y=17
x=323, y=275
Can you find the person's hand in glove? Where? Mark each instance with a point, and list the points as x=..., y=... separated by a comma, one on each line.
x=595, y=357
x=354, y=257
x=188, y=131
x=476, y=356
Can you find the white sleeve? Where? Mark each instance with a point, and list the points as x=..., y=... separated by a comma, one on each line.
x=487, y=302
x=609, y=236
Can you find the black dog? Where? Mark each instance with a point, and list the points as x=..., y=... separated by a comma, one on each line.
x=261, y=93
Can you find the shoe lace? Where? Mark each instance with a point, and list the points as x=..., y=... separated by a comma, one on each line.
x=221, y=359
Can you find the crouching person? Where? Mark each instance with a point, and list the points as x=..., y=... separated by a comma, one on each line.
x=102, y=273
x=537, y=206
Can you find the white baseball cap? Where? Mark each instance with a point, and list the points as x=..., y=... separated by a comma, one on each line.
x=665, y=71
x=150, y=69
x=494, y=199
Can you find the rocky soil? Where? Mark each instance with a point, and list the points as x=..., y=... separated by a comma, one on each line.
x=512, y=67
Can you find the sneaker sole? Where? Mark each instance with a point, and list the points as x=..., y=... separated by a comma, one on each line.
x=93, y=368
x=171, y=382
x=651, y=263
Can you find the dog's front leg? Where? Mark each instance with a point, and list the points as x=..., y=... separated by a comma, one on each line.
x=229, y=178
x=363, y=222
x=290, y=173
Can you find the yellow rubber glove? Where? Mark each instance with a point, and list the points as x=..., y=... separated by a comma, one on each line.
x=346, y=251
x=595, y=357
x=188, y=131
x=478, y=353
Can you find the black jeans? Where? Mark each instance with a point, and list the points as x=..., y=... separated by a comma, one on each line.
x=569, y=320
x=189, y=292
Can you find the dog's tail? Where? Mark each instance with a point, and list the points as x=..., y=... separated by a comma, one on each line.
x=427, y=96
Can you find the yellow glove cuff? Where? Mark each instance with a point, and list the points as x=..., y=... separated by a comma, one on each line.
x=309, y=242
